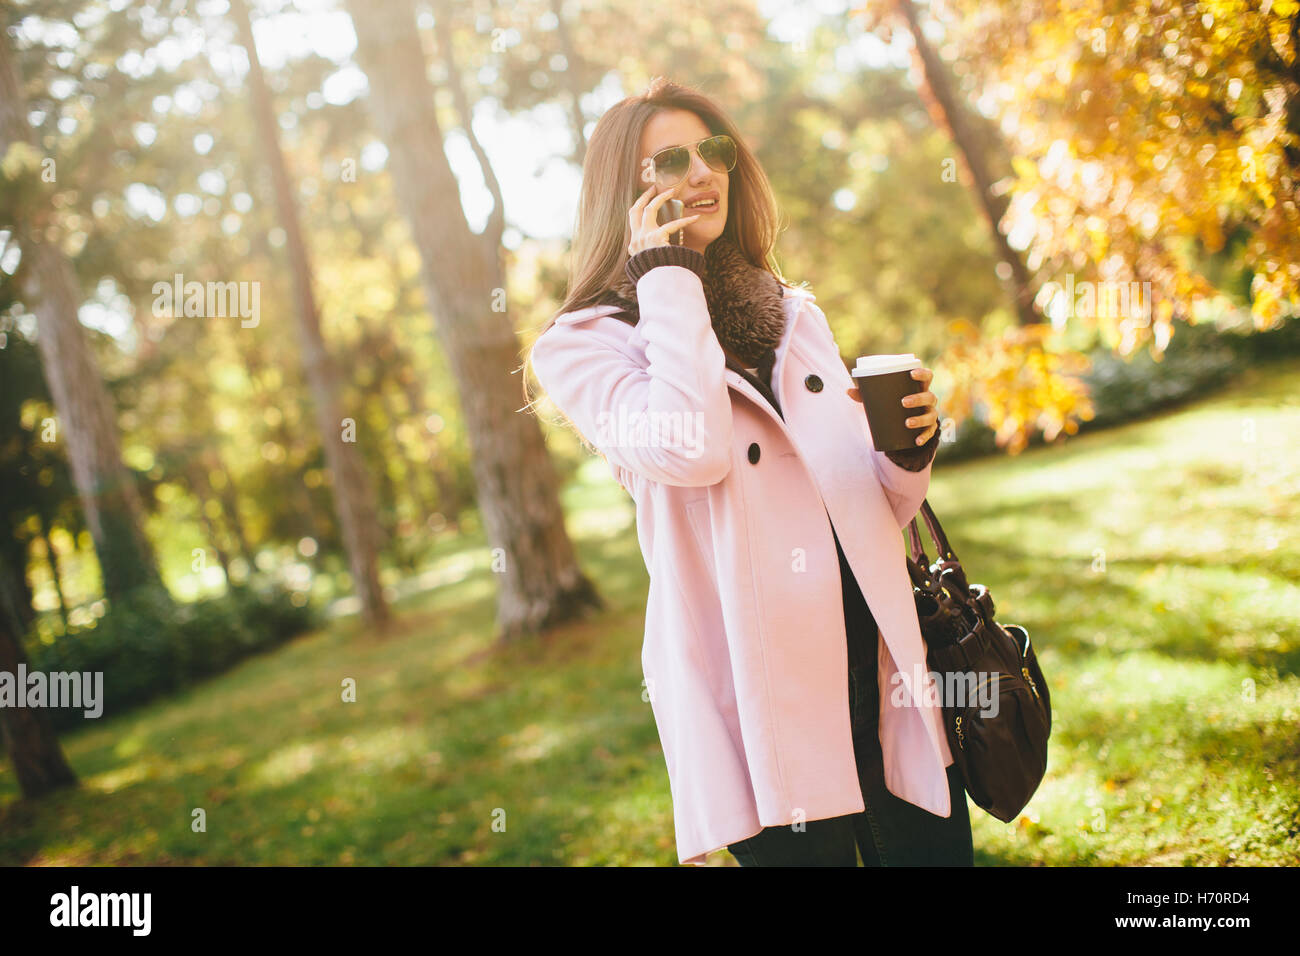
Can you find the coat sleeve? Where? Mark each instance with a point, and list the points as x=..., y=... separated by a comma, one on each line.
x=914, y=459
x=905, y=487
x=669, y=421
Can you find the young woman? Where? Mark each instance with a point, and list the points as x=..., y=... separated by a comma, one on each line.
x=796, y=723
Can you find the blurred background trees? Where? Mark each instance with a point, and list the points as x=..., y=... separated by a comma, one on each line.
x=967, y=181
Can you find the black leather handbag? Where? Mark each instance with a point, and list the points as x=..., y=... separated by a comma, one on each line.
x=1002, y=753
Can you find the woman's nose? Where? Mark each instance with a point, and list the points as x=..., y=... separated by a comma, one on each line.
x=698, y=166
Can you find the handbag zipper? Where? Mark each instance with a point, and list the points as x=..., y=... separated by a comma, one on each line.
x=1030, y=681
x=961, y=737
x=1024, y=669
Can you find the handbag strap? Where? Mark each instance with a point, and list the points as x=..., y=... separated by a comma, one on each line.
x=936, y=532
x=945, y=552
x=947, y=573
x=914, y=545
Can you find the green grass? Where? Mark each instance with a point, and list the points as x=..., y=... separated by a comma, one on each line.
x=1150, y=563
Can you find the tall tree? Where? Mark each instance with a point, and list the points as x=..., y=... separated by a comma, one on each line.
x=464, y=283
x=29, y=740
x=353, y=495
x=32, y=478
x=949, y=113
x=87, y=420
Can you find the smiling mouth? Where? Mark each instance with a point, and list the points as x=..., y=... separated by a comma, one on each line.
x=709, y=206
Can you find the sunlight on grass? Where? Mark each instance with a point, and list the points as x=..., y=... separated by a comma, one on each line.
x=534, y=742
x=1155, y=566
x=288, y=763
x=383, y=749
x=601, y=522
x=129, y=745
x=120, y=778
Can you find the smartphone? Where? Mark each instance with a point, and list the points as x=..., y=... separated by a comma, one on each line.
x=670, y=210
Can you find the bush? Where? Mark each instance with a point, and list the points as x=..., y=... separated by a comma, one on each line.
x=1198, y=360
x=1276, y=343
x=146, y=645
x=271, y=612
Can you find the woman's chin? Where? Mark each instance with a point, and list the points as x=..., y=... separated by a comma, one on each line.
x=705, y=236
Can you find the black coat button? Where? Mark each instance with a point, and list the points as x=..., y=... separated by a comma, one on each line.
x=753, y=453
x=814, y=383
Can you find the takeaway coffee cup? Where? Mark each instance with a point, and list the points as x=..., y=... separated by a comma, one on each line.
x=884, y=380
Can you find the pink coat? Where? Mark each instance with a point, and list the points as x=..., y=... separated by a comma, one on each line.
x=745, y=655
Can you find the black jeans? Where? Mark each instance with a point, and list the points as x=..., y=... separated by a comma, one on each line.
x=890, y=832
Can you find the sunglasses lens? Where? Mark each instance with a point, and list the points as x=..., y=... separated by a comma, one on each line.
x=671, y=164
x=719, y=152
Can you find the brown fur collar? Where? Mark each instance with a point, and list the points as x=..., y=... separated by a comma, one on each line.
x=744, y=302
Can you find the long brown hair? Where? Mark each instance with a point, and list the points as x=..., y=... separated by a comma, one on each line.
x=611, y=183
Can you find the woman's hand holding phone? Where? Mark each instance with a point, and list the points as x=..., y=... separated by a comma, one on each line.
x=643, y=217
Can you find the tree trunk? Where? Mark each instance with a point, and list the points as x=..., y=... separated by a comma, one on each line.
x=390, y=507
x=203, y=494
x=448, y=499
x=87, y=422
x=32, y=745
x=228, y=498
x=353, y=496
x=52, y=559
x=948, y=113
x=541, y=583
x=404, y=553
x=404, y=363
x=15, y=594
x=298, y=506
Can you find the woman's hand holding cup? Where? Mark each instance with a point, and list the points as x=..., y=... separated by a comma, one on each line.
x=925, y=402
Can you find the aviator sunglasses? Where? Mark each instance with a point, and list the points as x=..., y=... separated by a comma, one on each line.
x=671, y=164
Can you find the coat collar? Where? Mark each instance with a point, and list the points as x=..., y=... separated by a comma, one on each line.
x=791, y=302
x=766, y=398
x=744, y=300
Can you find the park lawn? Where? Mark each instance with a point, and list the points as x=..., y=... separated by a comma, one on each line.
x=1149, y=563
